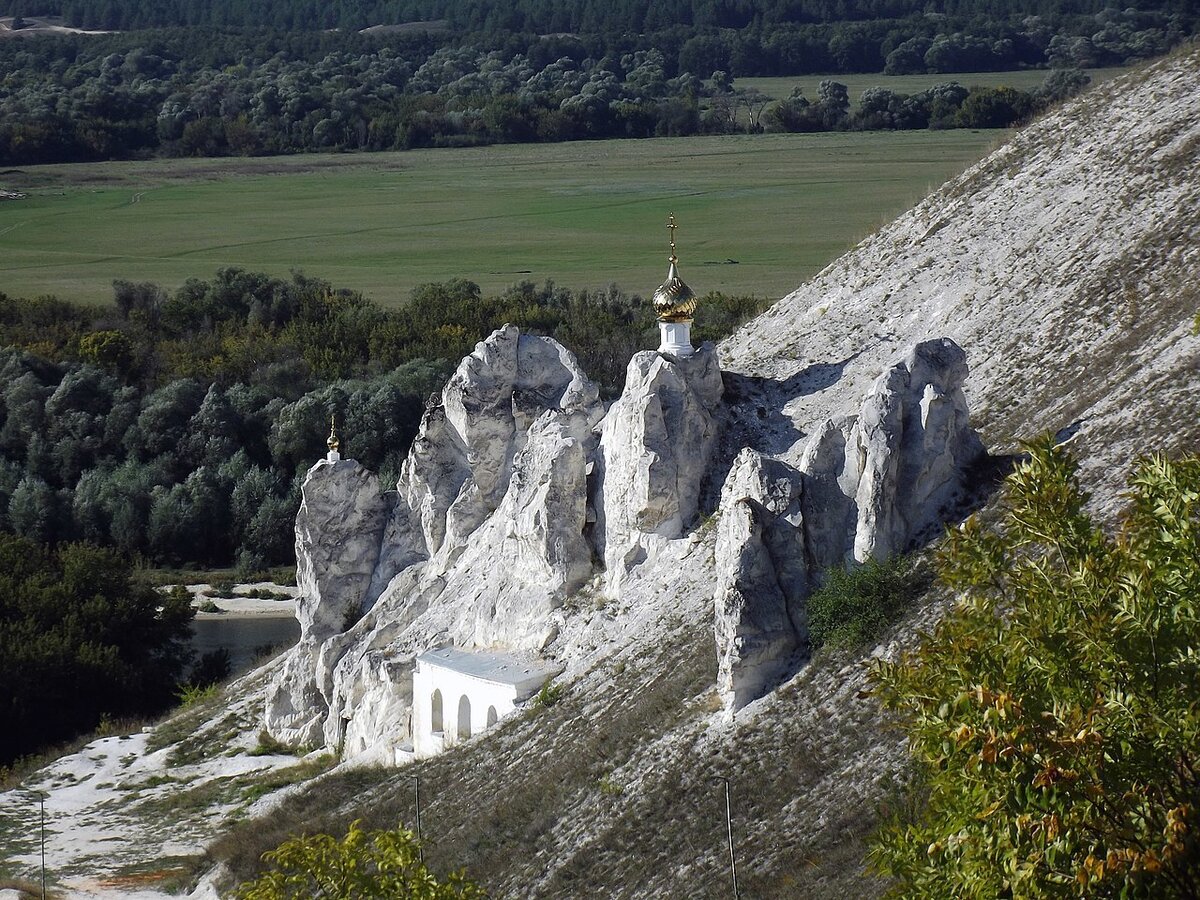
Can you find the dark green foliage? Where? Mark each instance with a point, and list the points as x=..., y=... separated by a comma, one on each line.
x=80, y=638
x=856, y=604
x=191, y=448
x=501, y=72
x=212, y=668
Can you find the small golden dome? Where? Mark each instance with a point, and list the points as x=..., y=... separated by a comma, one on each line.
x=674, y=301
x=332, y=442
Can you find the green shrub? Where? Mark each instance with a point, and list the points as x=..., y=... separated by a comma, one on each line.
x=855, y=605
x=550, y=694
x=207, y=606
x=1052, y=714
x=192, y=695
x=363, y=864
x=269, y=746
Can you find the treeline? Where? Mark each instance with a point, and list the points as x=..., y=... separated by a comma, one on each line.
x=154, y=100
x=80, y=639
x=177, y=427
x=553, y=16
x=946, y=105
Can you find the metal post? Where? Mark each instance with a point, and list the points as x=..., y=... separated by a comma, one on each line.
x=42, y=800
x=417, y=792
x=729, y=830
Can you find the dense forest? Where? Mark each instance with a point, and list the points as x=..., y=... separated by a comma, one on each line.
x=202, y=91
x=81, y=638
x=556, y=16
x=178, y=427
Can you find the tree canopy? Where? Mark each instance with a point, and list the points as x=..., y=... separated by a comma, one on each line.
x=81, y=638
x=1053, y=716
x=381, y=864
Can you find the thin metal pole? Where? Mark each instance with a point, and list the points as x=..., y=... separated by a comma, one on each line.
x=42, y=800
x=417, y=791
x=729, y=830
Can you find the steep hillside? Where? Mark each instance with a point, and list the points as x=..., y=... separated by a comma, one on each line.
x=1065, y=267
x=1065, y=264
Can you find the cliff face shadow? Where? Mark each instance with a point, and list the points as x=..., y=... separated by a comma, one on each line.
x=753, y=417
x=816, y=377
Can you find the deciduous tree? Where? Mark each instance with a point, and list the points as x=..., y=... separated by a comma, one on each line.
x=1053, y=715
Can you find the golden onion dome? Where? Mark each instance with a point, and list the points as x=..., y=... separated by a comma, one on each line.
x=674, y=301
x=332, y=442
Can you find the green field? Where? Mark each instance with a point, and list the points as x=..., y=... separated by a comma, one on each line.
x=757, y=213
x=1025, y=80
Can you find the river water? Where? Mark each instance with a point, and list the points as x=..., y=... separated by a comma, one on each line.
x=245, y=637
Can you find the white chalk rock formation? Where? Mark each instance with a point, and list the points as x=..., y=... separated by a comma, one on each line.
x=868, y=486
x=458, y=470
x=915, y=436
x=655, y=445
x=338, y=531
x=762, y=578
x=486, y=537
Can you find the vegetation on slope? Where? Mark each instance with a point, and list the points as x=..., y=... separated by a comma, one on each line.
x=80, y=639
x=1052, y=716
x=379, y=863
x=197, y=92
x=179, y=426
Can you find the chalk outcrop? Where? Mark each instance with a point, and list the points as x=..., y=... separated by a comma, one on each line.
x=460, y=465
x=655, y=446
x=867, y=487
x=338, y=531
x=762, y=578
x=483, y=539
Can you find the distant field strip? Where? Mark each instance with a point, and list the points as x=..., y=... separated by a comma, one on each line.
x=758, y=214
x=1024, y=80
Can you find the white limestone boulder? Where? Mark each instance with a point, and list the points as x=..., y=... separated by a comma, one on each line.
x=915, y=438
x=338, y=532
x=868, y=486
x=762, y=578
x=655, y=446
x=461, y=461
x=296, y=710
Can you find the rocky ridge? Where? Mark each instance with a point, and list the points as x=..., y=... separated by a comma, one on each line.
x=1064, y=267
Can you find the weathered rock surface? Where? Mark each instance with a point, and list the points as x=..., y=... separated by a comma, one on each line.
x=338, y=530
x=868, y=486
x=483, y=539
x=655, y=445
x=916, y=442
x=762, y=578
x=459, y=468
x=295, y=707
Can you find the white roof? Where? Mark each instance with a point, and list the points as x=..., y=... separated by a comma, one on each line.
x=499, y=668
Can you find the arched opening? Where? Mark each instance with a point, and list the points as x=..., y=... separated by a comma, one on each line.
x=435, y=713
x=464, y=717
x=491, y=719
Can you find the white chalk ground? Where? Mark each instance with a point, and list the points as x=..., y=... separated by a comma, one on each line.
x=121, y=816
x=238, y=604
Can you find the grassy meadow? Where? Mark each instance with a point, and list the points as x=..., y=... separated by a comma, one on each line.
x=1024, y=80
x=757, y=213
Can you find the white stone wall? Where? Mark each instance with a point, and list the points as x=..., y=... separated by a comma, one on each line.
x=481, y=695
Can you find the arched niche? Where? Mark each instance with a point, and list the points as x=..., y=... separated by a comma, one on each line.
x=464, y=717
x=435, y=712
x=491, y=716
